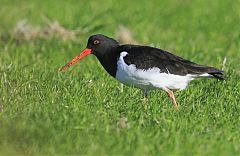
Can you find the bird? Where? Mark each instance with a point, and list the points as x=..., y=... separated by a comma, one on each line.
x=144, y=67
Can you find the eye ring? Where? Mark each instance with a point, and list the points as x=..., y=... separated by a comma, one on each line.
x=96, y=42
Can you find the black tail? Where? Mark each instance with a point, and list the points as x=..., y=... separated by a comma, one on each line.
x=217, y=76
x=216, y=73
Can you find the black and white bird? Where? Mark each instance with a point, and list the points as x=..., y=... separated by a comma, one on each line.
x=144, y=67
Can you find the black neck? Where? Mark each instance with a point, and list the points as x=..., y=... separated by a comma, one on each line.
x=109, y=61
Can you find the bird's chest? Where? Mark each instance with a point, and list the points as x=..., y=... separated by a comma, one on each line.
x=129, y=76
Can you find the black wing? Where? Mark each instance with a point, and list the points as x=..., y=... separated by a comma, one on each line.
x=145, y=57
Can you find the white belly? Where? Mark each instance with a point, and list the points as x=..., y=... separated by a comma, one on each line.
x=149, y=79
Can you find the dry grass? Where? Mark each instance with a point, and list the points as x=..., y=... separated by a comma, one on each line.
x=224, y=63
x=124, y=35
x=25, y=31
x=123, y=123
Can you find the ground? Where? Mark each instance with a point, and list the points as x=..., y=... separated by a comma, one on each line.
x=82, y=110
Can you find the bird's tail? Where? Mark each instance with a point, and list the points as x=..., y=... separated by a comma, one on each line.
x=216, y=73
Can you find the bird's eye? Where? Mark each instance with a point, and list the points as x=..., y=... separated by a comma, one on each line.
x=96, y=42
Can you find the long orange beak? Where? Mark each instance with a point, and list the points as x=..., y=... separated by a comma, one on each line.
x=82, y=54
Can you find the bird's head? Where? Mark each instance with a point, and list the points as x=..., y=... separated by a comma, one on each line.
x=97, y=45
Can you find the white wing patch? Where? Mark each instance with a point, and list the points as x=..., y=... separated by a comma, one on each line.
x=149, y=79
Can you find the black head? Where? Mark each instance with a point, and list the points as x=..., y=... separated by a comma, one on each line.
x=101, y=44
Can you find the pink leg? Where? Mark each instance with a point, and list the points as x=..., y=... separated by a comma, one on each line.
x=171, y=95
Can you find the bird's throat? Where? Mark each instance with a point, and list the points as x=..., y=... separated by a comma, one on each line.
x=109, y=61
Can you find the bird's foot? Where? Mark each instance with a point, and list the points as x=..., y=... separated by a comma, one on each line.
x=144, y=99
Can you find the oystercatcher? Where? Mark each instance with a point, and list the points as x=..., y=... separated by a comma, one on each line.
x=144, y=67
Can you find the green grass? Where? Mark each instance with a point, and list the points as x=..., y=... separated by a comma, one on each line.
x=77, y=112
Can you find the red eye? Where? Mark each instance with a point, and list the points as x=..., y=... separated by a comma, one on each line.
x=96, y=42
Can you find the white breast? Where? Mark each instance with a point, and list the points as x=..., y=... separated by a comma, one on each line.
x=149, y=79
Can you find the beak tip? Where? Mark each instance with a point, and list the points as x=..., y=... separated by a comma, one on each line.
x=62, y=69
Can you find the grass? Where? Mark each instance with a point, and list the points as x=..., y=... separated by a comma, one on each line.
x=77, y=112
